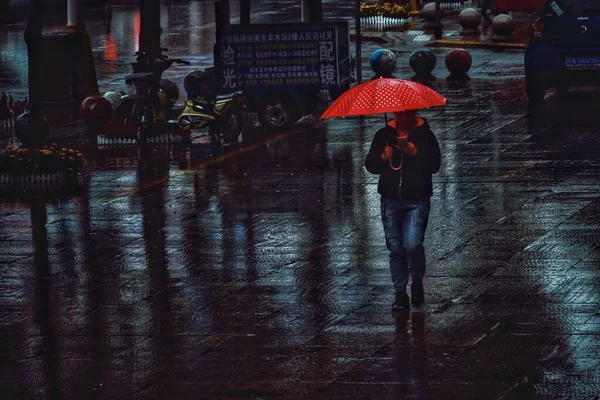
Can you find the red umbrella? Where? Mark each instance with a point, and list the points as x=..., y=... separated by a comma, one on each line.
x=383, y=95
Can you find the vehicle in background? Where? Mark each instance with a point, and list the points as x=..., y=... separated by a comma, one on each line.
x=492, y=8
x=222, y=115
x=564, y=48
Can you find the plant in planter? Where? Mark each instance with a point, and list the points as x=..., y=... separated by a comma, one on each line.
x=391, y=10
x=50, y=164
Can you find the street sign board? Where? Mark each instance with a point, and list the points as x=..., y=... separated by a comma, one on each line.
x=301, y=55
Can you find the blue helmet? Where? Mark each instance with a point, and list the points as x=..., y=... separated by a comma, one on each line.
x=383, y=62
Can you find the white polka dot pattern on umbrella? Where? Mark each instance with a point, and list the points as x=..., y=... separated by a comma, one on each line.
x=383, y=95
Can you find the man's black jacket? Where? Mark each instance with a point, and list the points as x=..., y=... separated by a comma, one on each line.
x=416, y=171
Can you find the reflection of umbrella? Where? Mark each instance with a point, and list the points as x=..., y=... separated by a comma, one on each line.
x=383, y=95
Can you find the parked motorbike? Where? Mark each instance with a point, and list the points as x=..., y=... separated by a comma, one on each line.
x=222, y=115
x=145, y=107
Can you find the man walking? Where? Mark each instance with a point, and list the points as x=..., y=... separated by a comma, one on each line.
x=405, y=157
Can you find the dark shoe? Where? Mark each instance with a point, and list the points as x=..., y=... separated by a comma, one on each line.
x=417, y=295
x=401, y=302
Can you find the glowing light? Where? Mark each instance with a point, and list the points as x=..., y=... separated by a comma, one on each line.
x=136, y=30
x=110, y=53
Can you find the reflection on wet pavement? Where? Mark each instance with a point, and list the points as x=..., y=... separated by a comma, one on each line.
x=260, y=271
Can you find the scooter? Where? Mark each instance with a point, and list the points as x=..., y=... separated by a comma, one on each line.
x=145, y=108
x=222, y=114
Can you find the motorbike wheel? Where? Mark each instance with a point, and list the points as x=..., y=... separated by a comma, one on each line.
x=228, y=128
x=277, y=112
x=185, y=123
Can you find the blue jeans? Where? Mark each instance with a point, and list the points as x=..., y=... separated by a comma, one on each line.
x=404, y=224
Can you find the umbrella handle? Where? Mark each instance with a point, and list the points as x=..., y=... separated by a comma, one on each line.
x=399, y=167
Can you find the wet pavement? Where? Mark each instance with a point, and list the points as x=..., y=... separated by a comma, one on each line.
x=260, y=271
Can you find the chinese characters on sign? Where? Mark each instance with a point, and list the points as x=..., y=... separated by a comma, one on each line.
x=303, y=57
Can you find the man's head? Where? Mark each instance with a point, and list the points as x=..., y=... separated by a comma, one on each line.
x=405, y=119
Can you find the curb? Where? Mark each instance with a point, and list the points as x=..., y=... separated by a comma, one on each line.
x=382, y=38
x=369, y=38
x=474, y=43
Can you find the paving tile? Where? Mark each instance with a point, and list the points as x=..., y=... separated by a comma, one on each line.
x=566, y=390
x=463, y=390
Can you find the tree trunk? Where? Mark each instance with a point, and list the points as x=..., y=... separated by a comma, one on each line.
x=437, y=32
x=315, y=11
x=222, y=16
x=245, y=12
x=33, y=38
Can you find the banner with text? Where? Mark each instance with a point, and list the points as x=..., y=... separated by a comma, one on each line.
x=302, y=56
